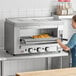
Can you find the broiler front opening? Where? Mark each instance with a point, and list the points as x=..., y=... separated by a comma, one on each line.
x=39, y=36
x=30, y=40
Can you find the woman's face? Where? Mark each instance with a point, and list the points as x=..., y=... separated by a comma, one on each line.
x=73, y=24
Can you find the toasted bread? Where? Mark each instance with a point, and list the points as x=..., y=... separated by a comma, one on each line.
x=41, y=36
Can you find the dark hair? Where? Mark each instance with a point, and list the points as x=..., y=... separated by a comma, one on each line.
x=74, y=18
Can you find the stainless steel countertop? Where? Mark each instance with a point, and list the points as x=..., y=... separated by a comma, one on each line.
x=5, y=56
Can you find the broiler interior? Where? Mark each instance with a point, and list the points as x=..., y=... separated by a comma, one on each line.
x=38, y=36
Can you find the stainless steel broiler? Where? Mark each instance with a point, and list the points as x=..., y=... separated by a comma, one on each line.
x=19, y=32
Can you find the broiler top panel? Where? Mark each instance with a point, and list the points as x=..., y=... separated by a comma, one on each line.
x=33, y=20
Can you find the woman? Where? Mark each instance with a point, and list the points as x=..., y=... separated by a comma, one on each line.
x=71, y=44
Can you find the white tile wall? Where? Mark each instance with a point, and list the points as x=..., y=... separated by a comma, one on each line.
x=74, y=4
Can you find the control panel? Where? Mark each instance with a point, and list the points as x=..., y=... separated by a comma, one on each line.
x=40, y=49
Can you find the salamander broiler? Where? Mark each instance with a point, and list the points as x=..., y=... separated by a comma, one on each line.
x=32, y=35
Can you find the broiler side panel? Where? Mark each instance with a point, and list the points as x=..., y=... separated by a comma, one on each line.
x=9, y=37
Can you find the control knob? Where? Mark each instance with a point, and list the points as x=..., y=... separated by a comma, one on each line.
x=47, y=49
x=39, y=49
x=31, y=50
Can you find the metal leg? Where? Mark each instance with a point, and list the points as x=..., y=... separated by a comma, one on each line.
x=61, y=62
x=2, y=68
x=47, y=63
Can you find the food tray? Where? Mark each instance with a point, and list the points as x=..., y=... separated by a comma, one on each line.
x=30, y=40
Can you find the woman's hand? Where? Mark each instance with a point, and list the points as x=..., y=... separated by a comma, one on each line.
x=66, y=48
x=58, y=40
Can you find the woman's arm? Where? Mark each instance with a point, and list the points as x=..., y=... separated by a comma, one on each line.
x=66, y=48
